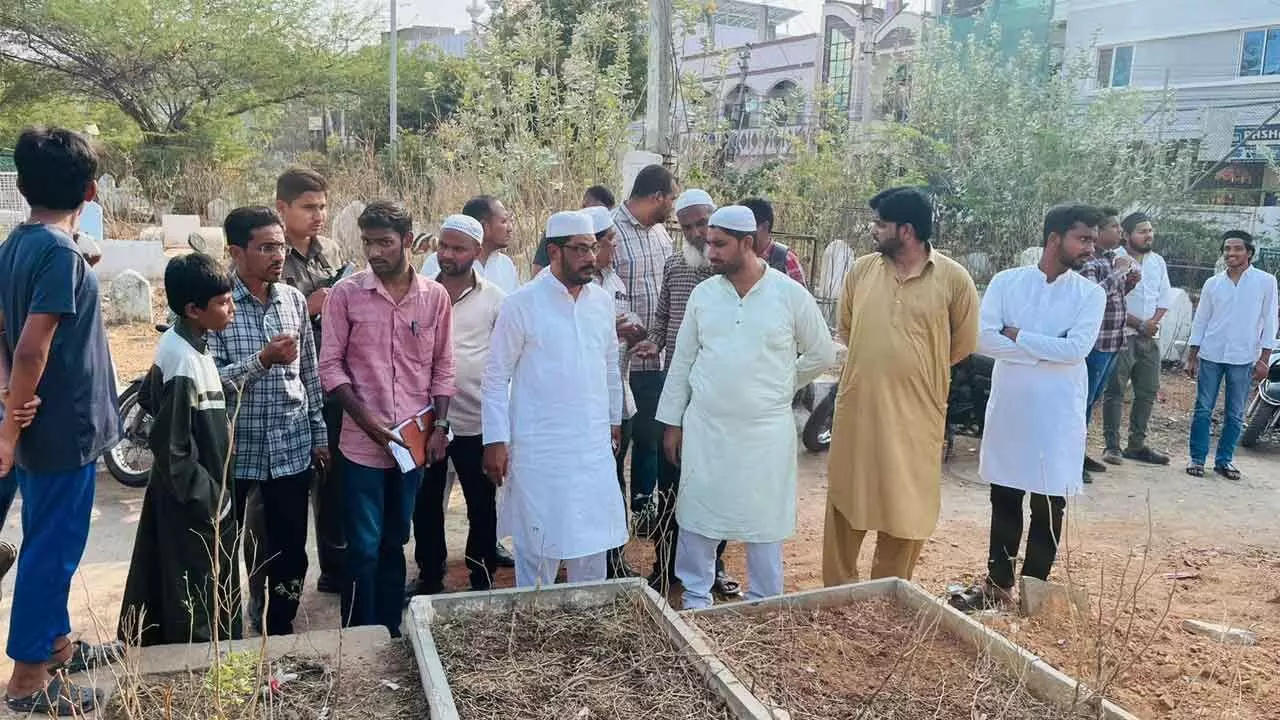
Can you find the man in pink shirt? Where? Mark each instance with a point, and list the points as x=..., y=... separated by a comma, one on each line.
x=386, y=353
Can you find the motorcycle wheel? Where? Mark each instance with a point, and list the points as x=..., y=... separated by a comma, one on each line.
x=1261, y=415
x=817, y=429
x=130, y=460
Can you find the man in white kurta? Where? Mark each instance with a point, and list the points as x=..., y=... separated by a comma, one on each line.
x=750, y=337
x=551, y=442
x=1039, y=323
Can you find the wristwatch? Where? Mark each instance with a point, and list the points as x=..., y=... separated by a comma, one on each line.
x=441, y=424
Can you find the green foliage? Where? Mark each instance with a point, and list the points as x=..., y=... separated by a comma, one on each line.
x=429, y=86
x=234, y=679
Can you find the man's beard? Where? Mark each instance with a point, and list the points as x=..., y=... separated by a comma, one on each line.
x=694, y=257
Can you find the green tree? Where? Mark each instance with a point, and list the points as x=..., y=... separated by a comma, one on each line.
x=429, y=90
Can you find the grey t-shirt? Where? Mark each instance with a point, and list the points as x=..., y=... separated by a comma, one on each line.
x=42, y=271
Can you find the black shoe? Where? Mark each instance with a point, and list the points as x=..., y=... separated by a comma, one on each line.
x=423, y=587
x=1112, y=456
x=503, y=556
x=1088, y=479
x=1091, y=465
x=8, y=556
x=328, y=585
x=1147, y=455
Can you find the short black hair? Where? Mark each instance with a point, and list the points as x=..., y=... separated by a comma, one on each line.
x=295, y=181
x=1243, y=237
x=1108, y=211
x=480, y=207
x=386, y=214
x=906, y=206
x=760, y=208
x=1063, y=217
x=241, y=222
x=1133, y=220
x=602, y=195
x=55, y=166
x=651, y=180
x=194, y=278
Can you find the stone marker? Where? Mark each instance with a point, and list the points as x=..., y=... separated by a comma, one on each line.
x=216, y=211
x=177, y=228
x=130, y=298
x=346, y=231
x=1037, y=598
x=1030, y=256
x=979, y=266
x=1221, y=633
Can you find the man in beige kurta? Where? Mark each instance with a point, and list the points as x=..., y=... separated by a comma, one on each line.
x=907, y=313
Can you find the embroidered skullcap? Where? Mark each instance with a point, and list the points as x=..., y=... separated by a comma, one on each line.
x=567, y=223
x=601, y=218
x=693, y=197
x=464, y=224
x=734, y=217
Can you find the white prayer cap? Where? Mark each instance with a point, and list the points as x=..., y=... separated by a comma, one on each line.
x=601, y=218
x=734, y=217
x=568, y=223
x=464, y=224
x=693, y=197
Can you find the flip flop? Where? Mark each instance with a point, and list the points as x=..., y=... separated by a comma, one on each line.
x=983, y=596
x=725, y=586
x=1228, y=471
x=60, y=697
x=86, y=657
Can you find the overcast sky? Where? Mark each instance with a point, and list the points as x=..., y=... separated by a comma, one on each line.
x=454, y=13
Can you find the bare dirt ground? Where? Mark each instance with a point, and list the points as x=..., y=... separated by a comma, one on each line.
x=1151, y=545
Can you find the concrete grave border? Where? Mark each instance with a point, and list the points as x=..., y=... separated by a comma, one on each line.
x=424, y=610
x=1040, y=678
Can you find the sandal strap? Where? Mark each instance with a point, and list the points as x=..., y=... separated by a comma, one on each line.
x=59, y=697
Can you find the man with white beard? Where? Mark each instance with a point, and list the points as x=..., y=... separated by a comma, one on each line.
x=682, y=272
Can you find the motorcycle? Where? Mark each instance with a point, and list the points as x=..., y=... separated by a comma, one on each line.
x=1263, y=415
x=966, y=406
x=130, y=460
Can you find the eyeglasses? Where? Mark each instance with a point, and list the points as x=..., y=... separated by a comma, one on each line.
x=272, y=249
x=591, y=249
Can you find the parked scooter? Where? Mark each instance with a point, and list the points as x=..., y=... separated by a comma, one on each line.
x=1263, y=415
x=966, y=406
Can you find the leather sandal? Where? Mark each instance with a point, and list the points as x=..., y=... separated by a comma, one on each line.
x=1228, y=471
x=1195, y=469
x=60, y=697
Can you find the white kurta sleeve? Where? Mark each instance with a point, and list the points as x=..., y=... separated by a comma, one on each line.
x=991, y=322
x=1269, y=318
x=505, y=346
x=1165, y=299
x=1081, y=336
x=813, y=339
x=677, y=390
x=614, y=368
x=1203, y=312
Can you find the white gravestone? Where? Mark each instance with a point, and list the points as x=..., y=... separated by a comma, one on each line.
x=216, y=211
x=346, y=231
x=130, y=298
x=1030, y=256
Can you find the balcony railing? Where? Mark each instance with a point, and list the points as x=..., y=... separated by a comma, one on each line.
x=756, y=142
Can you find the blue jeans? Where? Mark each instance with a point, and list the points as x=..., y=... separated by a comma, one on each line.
x=379, y=516
x=8, y=490
x=1210, y=377
x=1100, y=365
x=646, y=435
x=55, y=527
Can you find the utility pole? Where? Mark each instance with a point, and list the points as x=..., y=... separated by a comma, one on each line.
x=394, y=125
x=659, y=92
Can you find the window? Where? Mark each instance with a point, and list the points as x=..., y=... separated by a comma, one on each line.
x=837, y=63
x=1115, y=66
x=742, y=108
x=1260, y=53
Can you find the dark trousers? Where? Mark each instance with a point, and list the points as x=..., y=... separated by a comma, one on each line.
x=646, y=435
x=1006, y=534
x=430, y=550
x=326, y=499
x=664, y=546
x=274, y=519
x=378, y=514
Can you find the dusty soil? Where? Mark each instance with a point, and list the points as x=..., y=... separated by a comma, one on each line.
x=1151, y=545
x=309, y=688
x=870, y=659
x=605, y=662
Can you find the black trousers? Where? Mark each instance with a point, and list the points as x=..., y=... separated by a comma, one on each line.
x=1006, y=534
x=430, y=551
x=326, y=499
x=664, y=547
x=273, y=516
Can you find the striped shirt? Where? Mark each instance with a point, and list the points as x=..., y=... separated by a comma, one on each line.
x=678, y=281
x=396, y=356
x=278, y=419
x=642, y=252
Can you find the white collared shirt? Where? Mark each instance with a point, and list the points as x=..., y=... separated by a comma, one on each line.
x=500, y=270
x=1153, y=292
x=474, y=315
x=1235, y=321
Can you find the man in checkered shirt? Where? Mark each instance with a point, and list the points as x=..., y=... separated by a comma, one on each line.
x=267, y=360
